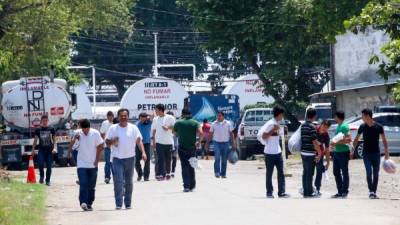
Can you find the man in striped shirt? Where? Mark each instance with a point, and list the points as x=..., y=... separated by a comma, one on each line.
x=310, y=152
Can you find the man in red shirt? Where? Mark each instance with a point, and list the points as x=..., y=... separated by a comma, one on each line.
x=323, y=139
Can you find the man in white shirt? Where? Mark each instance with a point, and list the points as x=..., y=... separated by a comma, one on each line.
x=163, y=141
x=124, y=137
x=269, y=135
x=90, y=146
x=105, y=125
x=221, y=133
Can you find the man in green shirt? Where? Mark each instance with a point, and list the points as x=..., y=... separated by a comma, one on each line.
x=186, y=130
x=341, y=157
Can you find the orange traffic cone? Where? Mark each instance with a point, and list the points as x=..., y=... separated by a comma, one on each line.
x=31, y=172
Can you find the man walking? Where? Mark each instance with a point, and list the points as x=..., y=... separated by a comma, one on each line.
x=341, y=157
x=269, y=135
x=371, y=132
x=124, y=137
x=90, y=147
x=310, y=152
x=107, y=151
x=323, y=139
x=163, y=141
x=47, y=144
x=221, y=133
x=186, y=130
x=144, y=125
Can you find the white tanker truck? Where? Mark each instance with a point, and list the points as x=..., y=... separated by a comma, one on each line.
x=23, y=102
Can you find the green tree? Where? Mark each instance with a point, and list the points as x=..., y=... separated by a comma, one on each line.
x=34, y=34
x=134, y=52
x=295, y=59
x=396, y=93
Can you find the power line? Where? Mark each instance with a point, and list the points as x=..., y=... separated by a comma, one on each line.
x=218, y=19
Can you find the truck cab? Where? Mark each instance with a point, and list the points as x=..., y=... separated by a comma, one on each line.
x=252, y=121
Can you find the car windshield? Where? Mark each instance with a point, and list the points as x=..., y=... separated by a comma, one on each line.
x=389, y=109
x=324, y=113
x=257, y=117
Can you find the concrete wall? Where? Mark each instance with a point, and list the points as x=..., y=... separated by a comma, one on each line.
x=352, y=102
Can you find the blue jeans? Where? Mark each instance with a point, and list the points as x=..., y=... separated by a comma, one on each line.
x=371, y=163
x=75, y=155
x=320, y=170
x=221, y=150
x=107, y=165
x=341, y=171
x=87, y=183
x=45, y=156
x=123, y=184
x=308, y=174
x=271, y=161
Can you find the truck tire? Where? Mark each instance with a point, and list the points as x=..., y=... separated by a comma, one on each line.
x=63, y=162
x=242, y=152
x=71, y=162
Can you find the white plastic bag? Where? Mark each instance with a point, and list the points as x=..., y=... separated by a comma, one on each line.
x=294, y=142
x=194, y=162
x=338, y=137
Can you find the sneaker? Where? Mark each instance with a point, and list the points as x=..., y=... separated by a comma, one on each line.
x=336, y=195
x=313, y=195
x=89, y=208
x=217, y=176
x=107, y=180
x=223, y=177
x=128, y=207
x=186, y=190
x=284, y=195
x=168, y=177
x=139, y=178
x=41, y=181
x=270, y=196
x=118, y=208
x=84, y=207
x=172, y=175
x=318, y=193
x=375, y=196
x=48, y=183
x=146, y=179
x=344, y=195
x=77, y=182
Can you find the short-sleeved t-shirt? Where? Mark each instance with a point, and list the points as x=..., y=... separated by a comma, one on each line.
x=371, y=137
x=45, y=135
x=221, y=131
x=105, y=125
x=88, y=147
x=271, y=145
x=342, y=128
x=162, y=136
x=308, y=135
x=127, y=137
x=186, y=130
x=323, y=139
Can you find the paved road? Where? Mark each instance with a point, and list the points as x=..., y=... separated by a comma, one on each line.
x=238, y=200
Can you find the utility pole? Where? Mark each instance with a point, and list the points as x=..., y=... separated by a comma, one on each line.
x=155, y=55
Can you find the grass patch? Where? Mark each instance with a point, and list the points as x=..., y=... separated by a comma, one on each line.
x=21, y=203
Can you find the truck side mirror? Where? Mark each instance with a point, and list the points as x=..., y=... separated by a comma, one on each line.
x=74, y=99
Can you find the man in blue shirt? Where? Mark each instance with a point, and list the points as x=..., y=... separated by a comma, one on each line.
x=144, y=125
